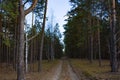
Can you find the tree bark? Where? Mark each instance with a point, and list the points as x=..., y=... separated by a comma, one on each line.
x=0, y=36
x=99, y=46
x=0, y=33
x=15, y=44
x=20, y=70
x=52, y=49
x=114, y=63
x=26, y=53
x=0, y=24
x=22, y=13
x=90, y=40
x=42, y=38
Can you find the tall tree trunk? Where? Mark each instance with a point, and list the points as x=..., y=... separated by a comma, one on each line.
x=26, y=51
x=47, y=53
x=15, y=44
x=90, y=40
x=52, y=49
x=91, y=46
x=114, y=64
x=109, y=41
x=42, y=38
x=0, y=36
x=31, y=55
x=99, y=46
x=0, y=24
x=20, y=68
x=22, y=13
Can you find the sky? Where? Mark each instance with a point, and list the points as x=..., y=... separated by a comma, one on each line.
x=58, y=8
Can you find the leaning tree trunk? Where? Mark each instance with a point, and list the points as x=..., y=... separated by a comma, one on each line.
x=42, y=39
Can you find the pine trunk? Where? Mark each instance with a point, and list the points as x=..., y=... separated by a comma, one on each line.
x=113, y=46
x=52, y=50
x=91, y=40
x=42, y=39
x=99, y=46
x=0, y=37
x=20, y=68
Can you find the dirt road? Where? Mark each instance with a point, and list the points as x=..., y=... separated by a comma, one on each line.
x=62, y=72
x=67, y=72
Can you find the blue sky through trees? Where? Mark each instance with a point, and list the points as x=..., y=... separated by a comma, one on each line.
x=59, y=9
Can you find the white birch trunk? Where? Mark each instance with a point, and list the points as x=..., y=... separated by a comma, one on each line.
x=26, y=51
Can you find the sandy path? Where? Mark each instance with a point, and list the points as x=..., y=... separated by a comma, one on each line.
x=72, y=74
x=54, y=73
x=67, y=72
x=62, y=71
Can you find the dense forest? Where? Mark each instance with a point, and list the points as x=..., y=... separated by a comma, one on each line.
x=92, y=32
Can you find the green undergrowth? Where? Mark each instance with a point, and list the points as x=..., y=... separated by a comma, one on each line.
x=93, y=71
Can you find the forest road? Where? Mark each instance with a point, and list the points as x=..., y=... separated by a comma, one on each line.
x=63, y=71
x=66, y=72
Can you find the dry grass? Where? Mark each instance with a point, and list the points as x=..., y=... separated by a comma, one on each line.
x=46, y=68
x=93, y=70
x=7, y=73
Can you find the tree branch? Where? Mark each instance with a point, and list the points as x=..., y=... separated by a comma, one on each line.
x=31, y=7
x=31, y=38
x=117, y=40
x=25, y=2
x=117, y=33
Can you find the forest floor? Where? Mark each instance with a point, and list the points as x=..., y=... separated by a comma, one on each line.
x=72, y=69
x=7, y=72
x=53, y=70
x=61, y=71
x=92, y=71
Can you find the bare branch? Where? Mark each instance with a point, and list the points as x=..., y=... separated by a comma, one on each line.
x=117, y=40
x=31, y=7
x=25, y=2
x=31, y=38
x=117, y=33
